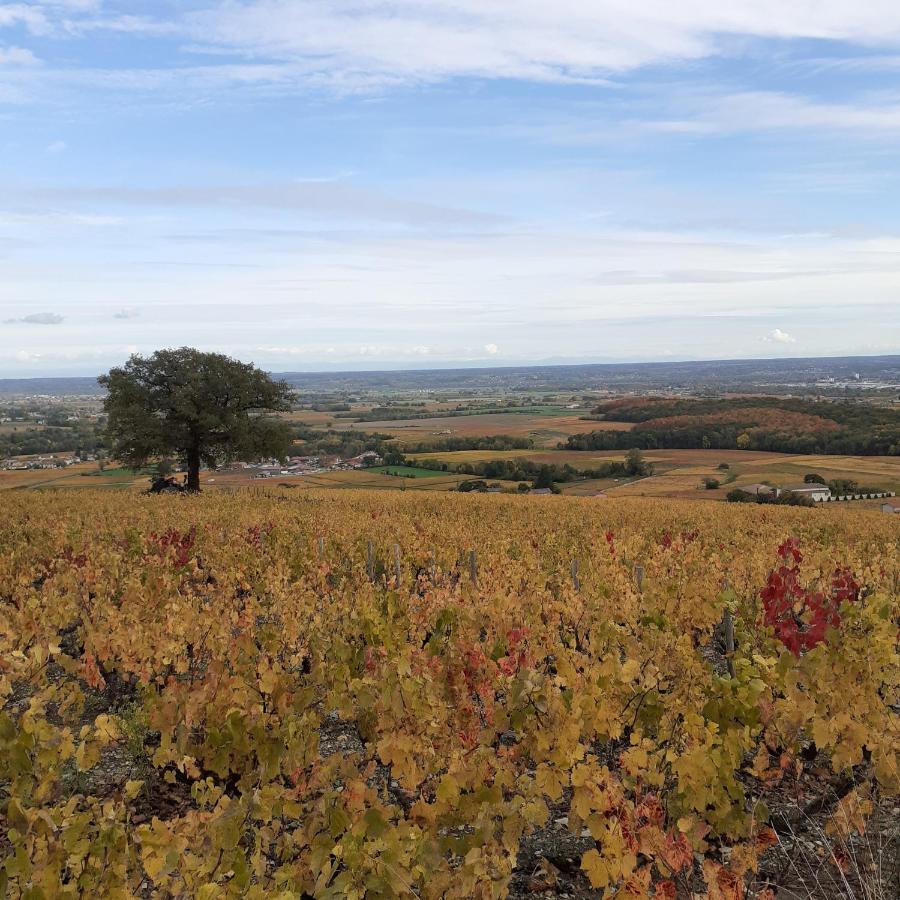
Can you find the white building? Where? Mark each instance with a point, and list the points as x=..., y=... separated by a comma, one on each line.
x=816, y=492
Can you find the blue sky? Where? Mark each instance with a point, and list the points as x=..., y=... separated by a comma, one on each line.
x=357, y=183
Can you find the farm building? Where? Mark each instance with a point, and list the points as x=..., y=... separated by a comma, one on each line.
x=815, y=491
x=370, y=457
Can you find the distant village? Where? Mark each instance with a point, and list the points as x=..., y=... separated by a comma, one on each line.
x=45, y=461
x=271, y=468
x=307, y=465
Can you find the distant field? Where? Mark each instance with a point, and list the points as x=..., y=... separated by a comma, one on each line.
x=81, y=475
x=13, y=427
x=678, y=473
x=544, y=430
x=311, y=417
x=366, y=478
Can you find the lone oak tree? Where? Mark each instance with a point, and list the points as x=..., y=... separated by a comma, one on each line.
x=203, y=407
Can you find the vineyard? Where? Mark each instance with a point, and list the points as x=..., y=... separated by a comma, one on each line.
x=375, y=695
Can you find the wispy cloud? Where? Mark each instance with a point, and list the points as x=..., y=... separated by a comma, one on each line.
x=754, y=111
x=569, y=39
x=693, y=167
x=696, y=277
x=316, y=197
x=36, y=319
x=348, y=44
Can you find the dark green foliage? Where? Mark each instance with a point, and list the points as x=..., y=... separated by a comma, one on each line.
x=201, y=407
x=81, y=437
x=635, y=465
x=813, y=478
x=523, y=470
x=354, y=442
x=842, y=486
x=486, y=442
x=711, y=483
x=393, y=457
x=785, y=499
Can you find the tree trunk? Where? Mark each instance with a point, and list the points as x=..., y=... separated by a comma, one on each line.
x=193, y=469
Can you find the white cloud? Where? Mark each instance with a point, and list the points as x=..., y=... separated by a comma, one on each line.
x=491, y=349
x=26, y=356
x=17, y=56
x=56, y=147
x=128, y=313
x=780, y=337
x=29, y=16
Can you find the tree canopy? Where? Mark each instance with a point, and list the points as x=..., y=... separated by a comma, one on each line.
x=203, y=407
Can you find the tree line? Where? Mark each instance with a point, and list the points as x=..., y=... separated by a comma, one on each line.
x=82, y=437
x=541, y=474
x=862, y=430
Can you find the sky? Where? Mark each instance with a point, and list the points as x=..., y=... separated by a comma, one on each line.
x=321, y=184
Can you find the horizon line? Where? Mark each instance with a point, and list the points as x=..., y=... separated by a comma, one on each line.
x=478, y=365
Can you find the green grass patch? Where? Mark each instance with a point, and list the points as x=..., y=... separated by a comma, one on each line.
x=120, y=472
x=405, y=471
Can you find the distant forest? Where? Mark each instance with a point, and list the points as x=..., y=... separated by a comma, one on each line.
x=80, y=437
x=746, y=423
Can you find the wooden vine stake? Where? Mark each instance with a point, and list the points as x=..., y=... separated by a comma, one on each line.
x=576, y=581
x=729, y=640
x=639, y=577
x=397, y=563
x=473, y=566
x=728, y=625
x=370, y=561
x=321, y=547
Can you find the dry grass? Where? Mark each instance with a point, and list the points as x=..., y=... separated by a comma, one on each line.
x=813, y=861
